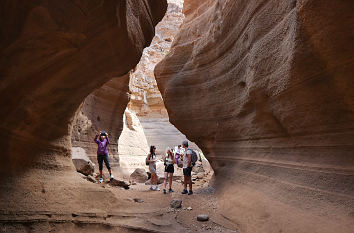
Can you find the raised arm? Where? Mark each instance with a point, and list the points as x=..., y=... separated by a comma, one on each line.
x=107, y=138
x=96, y=139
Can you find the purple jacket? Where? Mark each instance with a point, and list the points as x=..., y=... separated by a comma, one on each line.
x=102, y=146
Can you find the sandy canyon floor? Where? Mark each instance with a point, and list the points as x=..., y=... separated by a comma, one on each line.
x=137, y=209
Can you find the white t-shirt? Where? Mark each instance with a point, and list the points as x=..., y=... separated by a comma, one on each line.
x=185, y=158
x=179, y=151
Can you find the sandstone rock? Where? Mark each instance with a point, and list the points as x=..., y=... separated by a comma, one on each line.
x=202, y=217
x=139, y=175
x=121, y=183
x=91, y=179
x=82, y=163
x=132, y=144
x=200, y=175
x=160, y=179
x=53, y=55
x=176, y=203
x=270, y=88
x=138, y=200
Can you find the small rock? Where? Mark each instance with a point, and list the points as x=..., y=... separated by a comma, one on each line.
x=189, y=208
x=202, y=217
x=138, y=200
x=121, y=183
x=176, y=203
x=91, y=179
x=160, y=179
x=200, y=175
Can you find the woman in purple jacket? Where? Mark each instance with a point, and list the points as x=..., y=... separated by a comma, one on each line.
x=102, y=153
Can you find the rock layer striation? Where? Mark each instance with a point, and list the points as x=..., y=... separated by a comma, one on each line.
x=269, y=87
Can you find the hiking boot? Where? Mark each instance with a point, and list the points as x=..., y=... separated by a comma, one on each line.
x=170, y=191
x=184, y=191
x=190, y=192
x=151, y=188
x=111, y=176
x=164, y=191
x=157, y=189
x=101, y=180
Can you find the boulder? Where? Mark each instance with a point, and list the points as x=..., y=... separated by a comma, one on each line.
x=82, y=163
x=139, y=175
x=121, y=183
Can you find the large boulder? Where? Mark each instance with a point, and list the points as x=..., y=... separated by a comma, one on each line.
x=139, y=175
x=81, y=162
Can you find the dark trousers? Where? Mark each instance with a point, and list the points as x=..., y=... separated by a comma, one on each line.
x=102, y=158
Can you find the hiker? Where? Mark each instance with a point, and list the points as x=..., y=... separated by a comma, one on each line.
x=169, y=162
x=102, y=153
x=151, y=159
x=187, y=168
x=178, y=153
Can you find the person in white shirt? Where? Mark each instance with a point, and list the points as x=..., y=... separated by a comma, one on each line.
x=187, y=168
x=178, y=153
x=169, y=162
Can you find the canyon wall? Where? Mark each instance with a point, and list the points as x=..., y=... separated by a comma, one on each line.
x=53, y=55
x=269, y=90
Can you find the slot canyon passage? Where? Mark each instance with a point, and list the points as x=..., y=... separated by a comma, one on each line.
x=264, y=88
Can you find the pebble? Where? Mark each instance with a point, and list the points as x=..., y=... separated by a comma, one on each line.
x=138, y=200
x=202, y=217
x=176, y=203
x=189, y=208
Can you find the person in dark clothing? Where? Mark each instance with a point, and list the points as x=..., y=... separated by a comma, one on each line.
x=102, y=153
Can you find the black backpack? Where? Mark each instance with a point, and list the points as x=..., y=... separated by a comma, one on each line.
x=194, y=157
x=146, y=160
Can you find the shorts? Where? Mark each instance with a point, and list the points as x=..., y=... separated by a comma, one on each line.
x=152, y=167
x=187, y=171
x=170, y=168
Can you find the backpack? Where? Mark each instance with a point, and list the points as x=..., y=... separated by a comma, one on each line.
x=146, y=160
x=194, y=157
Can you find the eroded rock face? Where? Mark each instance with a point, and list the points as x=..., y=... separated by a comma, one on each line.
x=269, y=88
x=102, y=110
x=53, y=55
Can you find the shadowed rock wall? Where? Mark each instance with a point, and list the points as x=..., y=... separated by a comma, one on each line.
x=53, y=55
x=265, y=88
